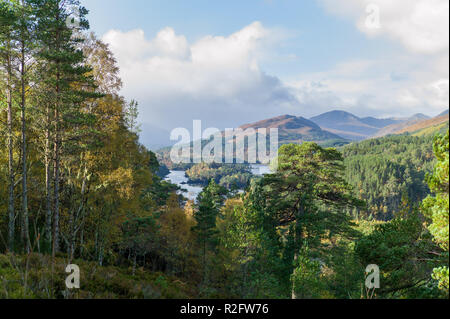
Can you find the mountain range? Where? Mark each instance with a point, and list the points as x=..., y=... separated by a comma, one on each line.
x=336, y=127
x=354, y=128
x=401, y=125
x=435, y=122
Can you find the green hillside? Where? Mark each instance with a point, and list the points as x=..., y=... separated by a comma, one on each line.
x=432, y=130
x=388, y=171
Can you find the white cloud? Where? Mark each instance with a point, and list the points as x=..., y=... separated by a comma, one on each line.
x=422, y=26
x=220, y=79
x=398, y=86
x=416, y=79
x=216, y=79
x=131, y=46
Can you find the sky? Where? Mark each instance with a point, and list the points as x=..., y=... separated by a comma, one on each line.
x=228, y=63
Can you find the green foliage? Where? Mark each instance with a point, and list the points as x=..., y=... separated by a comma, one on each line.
x=383, y=171
x=31, y=277
x=433, y=130
x=437, y=207
x=302, y=203
x=307, y=279
x=403, y=249
x=310, y=192
x=442, y=275
x=92, y=187
x=343, y=273
x=139, y=236
x=250, y=268
x=210, y=201
x=209, y=204
x=226, y=175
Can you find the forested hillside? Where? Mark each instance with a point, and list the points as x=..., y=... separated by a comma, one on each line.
x=387, y=172
x=77, y=187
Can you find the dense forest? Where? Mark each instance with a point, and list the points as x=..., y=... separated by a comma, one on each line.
x=385, y=172
x=77, y=187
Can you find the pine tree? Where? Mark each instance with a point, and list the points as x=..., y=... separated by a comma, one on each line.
x=210, y=201
x=8, y=20
x=26, y=46
x=308, y=197
x=63, y=81
x=437, y=207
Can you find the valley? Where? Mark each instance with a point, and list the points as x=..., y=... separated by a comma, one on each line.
x=327, y=176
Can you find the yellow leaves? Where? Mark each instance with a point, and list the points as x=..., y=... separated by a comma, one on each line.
x=120, y=181
x=109, y=111
x=174, y=222
x=189, y=209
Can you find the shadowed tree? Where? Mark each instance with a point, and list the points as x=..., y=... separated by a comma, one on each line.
x=309, y=198
x=210, y=201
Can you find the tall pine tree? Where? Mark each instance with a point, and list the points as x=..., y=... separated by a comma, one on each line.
x=64, y=87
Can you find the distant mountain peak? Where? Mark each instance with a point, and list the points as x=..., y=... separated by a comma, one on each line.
x=335, y=114
x=350, y=126
x=283, y=122
x=294, y=129
x=419, y=116
x=414, y=123
x=446, y=112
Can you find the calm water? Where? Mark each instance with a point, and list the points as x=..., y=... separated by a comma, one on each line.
x=179, y=178
x=191, y=192
x=260, y=170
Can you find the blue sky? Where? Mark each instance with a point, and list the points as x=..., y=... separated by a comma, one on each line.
x=234, y=62
x=315, y=33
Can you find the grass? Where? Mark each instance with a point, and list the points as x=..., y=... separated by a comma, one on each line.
x=31, y=277
x=432, y=130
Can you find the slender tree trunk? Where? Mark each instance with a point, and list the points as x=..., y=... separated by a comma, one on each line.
x=71, y=235
x=73, y=232
x=297, y=242
x=11, y=211
x=26, y=226
x=134, y=263
x=205, y=267
x=48, y=178
x=244, y=281
x=100, y=254
x=76, y=215
x=81, y=243
x=56, y=181
x=57, y=146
